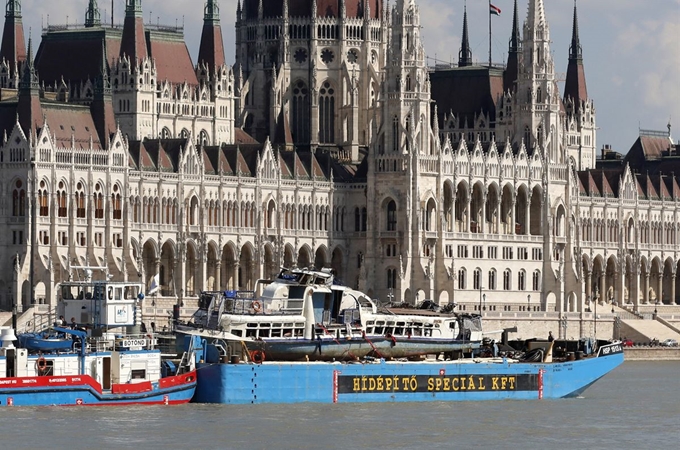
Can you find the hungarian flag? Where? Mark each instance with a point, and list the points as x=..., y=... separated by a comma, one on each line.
x=495, y=10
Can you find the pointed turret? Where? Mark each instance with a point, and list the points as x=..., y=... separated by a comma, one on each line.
x=575, y=85
x=29, y=107
x=102, y=105
x=133, y=42
x=536, y=15
x=211, y=51
x=465, y=54
x=512, y=69
x=13, y=42
x=92, y=15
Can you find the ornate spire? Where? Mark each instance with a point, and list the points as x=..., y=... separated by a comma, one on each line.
x=212, y=11
x=465, y=54
x=29, y=79
x=13, y=43
x=575, y=48
x=515, y=39
x=512, y=69
x=133, y=8
x=13, y=9
x=102, y=84
x=133, y=41
x=92, y=15
x=536, y=15
x=211, y=51
x=575, y=84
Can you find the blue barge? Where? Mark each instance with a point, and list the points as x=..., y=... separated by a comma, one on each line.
x=392, y=381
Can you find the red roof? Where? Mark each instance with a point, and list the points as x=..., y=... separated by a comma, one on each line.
x=13, y=42
x=211, y=51
x=68, y=122
x=172, y=58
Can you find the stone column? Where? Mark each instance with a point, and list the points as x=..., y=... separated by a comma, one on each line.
x=634, y=294
x=603, y=285
x=235, y=280
x=469, y=214
x=528, y=216
x=659, y=291
x=498, y=215
x=589, y=286
x=512, y=218
x=646, y=297
x=483, y=221
x=673, y=299
x=218, y=275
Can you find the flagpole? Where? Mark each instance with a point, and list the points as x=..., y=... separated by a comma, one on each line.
x=489, y=33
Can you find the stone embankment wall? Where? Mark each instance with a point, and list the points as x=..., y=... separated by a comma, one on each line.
x=652, y=354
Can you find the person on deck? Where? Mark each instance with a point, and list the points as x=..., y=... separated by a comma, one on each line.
x=550, y=336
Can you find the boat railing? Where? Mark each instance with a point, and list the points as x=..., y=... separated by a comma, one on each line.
x=267, y=306
x=41, y=321
x=121, y=341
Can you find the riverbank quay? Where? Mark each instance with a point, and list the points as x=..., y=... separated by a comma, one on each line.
x=642, y=353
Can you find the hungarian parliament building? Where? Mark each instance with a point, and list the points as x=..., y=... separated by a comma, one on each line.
x=329, y=143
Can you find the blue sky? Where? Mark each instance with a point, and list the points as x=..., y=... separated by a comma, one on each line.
x=631, y=48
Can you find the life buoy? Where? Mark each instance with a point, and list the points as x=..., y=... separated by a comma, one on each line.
x=256, y=305
x=41, y=364
x=257, y=356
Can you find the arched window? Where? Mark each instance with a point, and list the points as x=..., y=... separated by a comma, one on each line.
x=492, y=280
x=326, y=114
x=203, y=139
x=477, y=279
x=43, y=200
x=19, y=200
x=116, y=203
x=391, y=278
x=527, y=137
x=507, y=280
x=165, y=133
x=80, y=201
x=407, y=137
x=364, y=219
x=395, y=134
x=521, y=280
x=539, y=135
x=462, y=275
x=539, y=95
x=98, y=200
x=62, y=200
x=537, y=280
x=300, y=113
x=391, y=216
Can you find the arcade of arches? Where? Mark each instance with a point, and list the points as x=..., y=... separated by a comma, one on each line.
x=185, y=272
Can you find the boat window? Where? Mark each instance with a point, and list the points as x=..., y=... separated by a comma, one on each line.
x=238, y=333
x=110, y=293
x=130, y=292
x=263, y=333
x=138, y=374
x=389, y=330
x=251, y=332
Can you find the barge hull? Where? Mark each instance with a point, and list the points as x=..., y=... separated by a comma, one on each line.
x=462, y=380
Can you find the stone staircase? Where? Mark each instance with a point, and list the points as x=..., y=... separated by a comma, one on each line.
x=643, y=331
x=5, y=319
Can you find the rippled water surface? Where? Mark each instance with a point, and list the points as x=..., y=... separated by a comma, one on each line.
x=635, y=407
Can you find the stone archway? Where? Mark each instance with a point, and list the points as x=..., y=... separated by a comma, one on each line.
x=246, y=275
x=337, y=264
x=304, y=259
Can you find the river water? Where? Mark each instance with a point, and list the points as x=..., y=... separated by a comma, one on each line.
x=635, y=407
